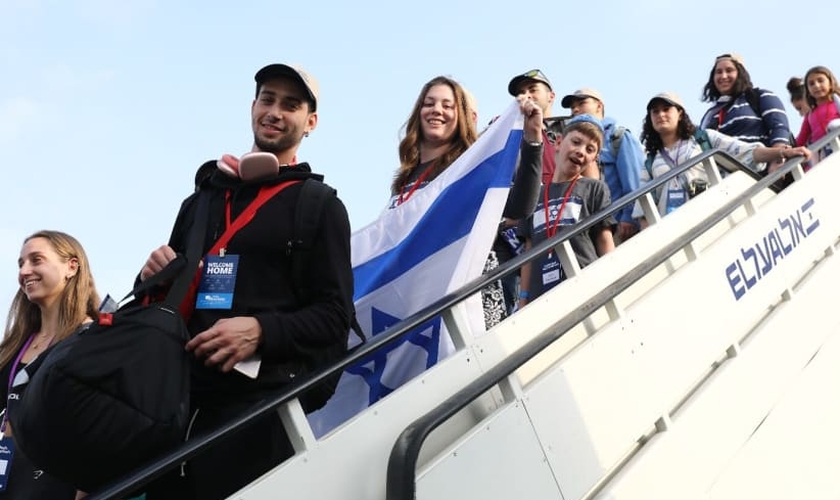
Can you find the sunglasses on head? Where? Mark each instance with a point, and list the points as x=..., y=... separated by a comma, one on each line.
x=535, y=73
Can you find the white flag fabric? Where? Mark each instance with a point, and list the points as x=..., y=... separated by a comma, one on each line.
x=434, y=243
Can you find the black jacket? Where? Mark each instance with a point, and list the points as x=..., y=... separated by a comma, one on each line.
x=263, y=285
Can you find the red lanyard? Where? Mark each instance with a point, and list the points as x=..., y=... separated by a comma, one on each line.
x=242, y=220
x=551, y=230
x=265, y=194
x=416, y=184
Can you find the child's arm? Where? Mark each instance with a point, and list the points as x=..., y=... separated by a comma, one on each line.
x=604, y=242
x=525, y=278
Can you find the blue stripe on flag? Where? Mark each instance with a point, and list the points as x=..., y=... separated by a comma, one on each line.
x=450, y=217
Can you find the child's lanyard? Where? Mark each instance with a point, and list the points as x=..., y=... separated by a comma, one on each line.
x=405, y=196
x=674, y=162
x=551, y=230
x=12, y=377
x=265, y=194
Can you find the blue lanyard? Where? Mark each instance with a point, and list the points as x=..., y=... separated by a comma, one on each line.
x=673, y=162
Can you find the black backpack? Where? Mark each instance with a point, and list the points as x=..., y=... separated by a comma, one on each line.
x=87, y=422
x=115, y=393
x=308, y=212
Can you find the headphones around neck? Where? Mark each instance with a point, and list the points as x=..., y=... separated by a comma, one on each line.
x=252, y=166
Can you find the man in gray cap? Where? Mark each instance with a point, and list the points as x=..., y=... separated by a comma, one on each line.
x=621, y=159
x=264, y=314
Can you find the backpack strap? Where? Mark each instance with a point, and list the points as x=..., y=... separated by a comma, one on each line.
x=195, y=246
x=753, y=97
x=649, y=164
x=310, y=206
x=702, y=139
x=204, y=172
x=184, y=267
x=615, y=139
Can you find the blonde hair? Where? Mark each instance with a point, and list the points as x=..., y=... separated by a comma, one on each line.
x=78, y=300
x=409, y=149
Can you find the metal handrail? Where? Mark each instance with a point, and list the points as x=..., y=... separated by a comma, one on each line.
x=159, y=466
x=402, y=463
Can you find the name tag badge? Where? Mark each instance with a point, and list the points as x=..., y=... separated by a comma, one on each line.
x=550, y=271
x=218, y=280
x=7, y=451
x=676, y=198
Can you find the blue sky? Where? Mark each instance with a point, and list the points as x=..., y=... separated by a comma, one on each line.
x=107, y=107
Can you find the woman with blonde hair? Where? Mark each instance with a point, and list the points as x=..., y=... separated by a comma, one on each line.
x=57, y=296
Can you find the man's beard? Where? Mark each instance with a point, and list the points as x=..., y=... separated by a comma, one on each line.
x=280, y=145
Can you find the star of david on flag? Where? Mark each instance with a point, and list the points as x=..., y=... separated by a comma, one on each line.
x=414, y=254
x=552, y=213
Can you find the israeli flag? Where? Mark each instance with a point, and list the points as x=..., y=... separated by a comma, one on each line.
x=432, y=244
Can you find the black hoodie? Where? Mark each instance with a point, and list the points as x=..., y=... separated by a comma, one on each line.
x=264, y=288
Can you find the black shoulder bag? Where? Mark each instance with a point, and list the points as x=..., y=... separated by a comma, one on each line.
x=114, y=394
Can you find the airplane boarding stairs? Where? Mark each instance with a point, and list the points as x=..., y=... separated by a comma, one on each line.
x=699, y=360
